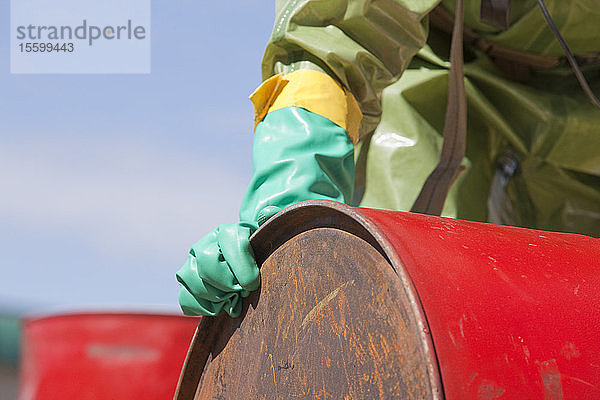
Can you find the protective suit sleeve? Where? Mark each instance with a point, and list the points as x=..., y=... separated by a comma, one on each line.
x=364, y=44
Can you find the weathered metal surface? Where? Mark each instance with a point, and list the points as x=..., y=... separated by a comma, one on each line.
x=513, y=313
x=103, y=356
x=331, y=321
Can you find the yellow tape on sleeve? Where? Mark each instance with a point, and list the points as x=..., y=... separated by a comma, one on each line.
x=312, y=90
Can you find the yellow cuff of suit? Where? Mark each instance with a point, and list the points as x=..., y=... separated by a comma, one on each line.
x=312, y=90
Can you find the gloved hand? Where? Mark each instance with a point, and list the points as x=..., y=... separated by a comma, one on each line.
x=219, y=270
x=297, y=155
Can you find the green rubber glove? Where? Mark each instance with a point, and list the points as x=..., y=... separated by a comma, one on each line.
x=297, y=156
x=219, y=269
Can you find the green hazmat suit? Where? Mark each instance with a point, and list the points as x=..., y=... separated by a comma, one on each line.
x=533, y=143
x=398, y=71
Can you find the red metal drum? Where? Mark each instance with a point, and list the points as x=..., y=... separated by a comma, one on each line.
x=495, y=311
x=513, y=313
x=103, y=356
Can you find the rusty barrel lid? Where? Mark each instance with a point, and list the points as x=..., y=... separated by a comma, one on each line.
x=335, y=318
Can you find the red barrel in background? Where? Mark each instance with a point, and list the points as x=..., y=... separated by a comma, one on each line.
x=103, y=356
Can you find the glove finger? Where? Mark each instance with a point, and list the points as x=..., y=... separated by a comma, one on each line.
x=234, y=307
x=212, y=266
x=190, y=278
x=190, y=305
x=207, y=300
x=233, y=240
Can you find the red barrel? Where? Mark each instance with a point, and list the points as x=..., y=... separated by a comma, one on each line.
x=372, y=304
x=103, y=356
x=513, y=313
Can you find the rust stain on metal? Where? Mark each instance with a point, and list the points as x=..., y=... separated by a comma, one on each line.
x=569, y=351
x=273, y=369
x=550, y=380
x=376, y=358
x=489, y=390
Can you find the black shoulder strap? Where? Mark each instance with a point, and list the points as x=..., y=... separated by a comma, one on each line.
x=435, y=189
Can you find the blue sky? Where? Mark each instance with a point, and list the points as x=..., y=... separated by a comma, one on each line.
x=107, y=180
